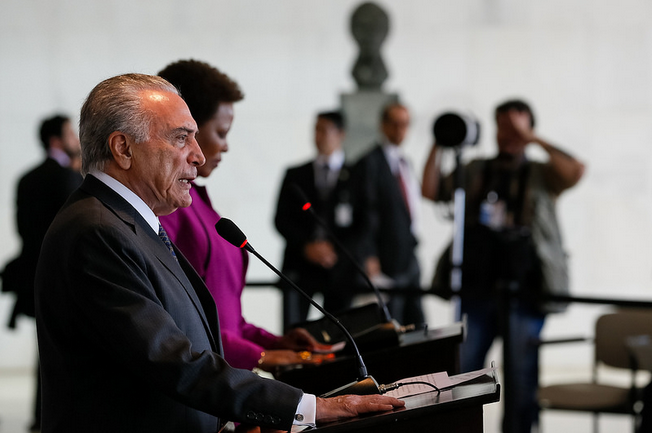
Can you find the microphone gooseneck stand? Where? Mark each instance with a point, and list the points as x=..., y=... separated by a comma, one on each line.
x=457, y=250
x=365, y=385
x=307, y=206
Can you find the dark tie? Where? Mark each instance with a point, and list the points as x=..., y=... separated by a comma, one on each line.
x=324, y=185
x=166, y=240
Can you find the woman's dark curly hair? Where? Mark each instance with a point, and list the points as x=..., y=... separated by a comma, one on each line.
x=202, y=86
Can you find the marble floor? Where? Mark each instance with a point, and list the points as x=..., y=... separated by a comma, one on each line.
x=16, y=394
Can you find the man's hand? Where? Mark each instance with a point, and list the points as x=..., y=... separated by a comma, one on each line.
x=372, y=266
x=520, y=124
x=297, y=339
x=566, y=171
x=321, y=253
x=277, y=358
x=514, y=132
x=349, y=406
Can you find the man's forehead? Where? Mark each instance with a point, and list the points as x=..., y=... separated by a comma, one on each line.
x=171, y=127
x=170, y=110
x=397, y=111
x=513, y=110
x=156, y=96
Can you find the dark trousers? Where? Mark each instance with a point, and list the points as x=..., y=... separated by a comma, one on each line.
x=406, y=309
x=483, y=326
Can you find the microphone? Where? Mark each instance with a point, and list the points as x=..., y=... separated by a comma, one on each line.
x=307, y=206
x=365, y=385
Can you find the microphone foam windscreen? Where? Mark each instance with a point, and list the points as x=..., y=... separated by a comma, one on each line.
x=230, y=232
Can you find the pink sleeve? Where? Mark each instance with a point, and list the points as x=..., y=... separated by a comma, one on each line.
x=244, y=352
x=258, y=335
x=240, y=353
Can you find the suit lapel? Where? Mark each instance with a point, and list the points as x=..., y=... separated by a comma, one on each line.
x=308, y=180
x=342, y=181
x=201, y=298
x=181, y=270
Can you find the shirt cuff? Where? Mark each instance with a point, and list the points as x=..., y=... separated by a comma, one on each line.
x=306, y=411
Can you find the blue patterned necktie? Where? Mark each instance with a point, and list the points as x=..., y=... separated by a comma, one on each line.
x=166, y=240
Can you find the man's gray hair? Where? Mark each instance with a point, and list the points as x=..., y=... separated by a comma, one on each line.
x=115, y=105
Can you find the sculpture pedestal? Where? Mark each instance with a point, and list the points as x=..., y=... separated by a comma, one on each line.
x=362, y=114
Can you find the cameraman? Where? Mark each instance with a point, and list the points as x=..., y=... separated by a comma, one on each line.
x=512, y=241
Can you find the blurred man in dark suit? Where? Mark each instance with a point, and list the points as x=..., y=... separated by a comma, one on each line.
x=311, y=259
x=41, y=193
x=390, y=194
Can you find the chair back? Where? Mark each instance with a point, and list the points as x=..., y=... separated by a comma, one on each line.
x=612, y=331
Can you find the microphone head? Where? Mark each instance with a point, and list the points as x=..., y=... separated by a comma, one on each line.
x=230, y=232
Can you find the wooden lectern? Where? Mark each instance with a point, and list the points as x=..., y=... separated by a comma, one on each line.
x=459, y=409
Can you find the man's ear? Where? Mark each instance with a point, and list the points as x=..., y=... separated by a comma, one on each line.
x=120, y=146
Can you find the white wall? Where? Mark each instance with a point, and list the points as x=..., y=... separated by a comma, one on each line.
x=586, y=65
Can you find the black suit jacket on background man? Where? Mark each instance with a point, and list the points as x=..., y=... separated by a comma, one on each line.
x=41, y=193
x=388, y=235
x=299, y=227
x=129, y=339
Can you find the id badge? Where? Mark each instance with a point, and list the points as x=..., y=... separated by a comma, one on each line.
x=343, y=215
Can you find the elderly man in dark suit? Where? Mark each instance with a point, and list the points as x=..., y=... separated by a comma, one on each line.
x=390, y=197
x=311, y=258
x=128, y=333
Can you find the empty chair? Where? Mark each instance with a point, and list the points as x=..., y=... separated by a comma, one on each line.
x=613, y=335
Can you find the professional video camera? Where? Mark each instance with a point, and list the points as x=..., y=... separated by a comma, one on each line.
x=453, y=130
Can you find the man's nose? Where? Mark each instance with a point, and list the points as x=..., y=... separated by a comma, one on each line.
x=196, y=156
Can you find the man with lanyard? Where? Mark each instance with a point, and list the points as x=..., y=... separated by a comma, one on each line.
x=512, y=242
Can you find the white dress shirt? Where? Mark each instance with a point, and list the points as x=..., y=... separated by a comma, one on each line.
x=399, y=164
x=334, y=161
x=59, y=156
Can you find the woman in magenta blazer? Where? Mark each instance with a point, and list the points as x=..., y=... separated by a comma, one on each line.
x=210, y=95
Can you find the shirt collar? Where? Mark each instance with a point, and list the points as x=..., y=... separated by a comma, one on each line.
x=392, y=149
x=335, y=160
x=59, y=156
x=394, y=155
x=130, y=196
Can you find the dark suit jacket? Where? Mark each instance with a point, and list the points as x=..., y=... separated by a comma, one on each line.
x=299, y=227
x=129, y=339
x=387, y=220
x=41, y=193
